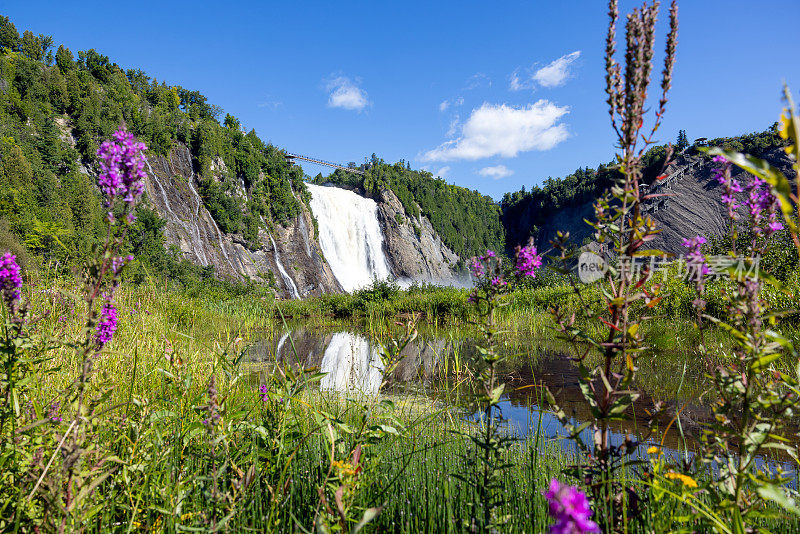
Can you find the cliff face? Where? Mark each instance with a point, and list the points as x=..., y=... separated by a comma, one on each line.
x=291, y=253
x=414, y=249
x=690, y=206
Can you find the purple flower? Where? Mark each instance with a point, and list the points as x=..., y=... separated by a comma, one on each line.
x=489, y=254
x=723, y=176
x=10, y=280
x=118, y=262
x=695, y=260
x=122, y=173
x=106, y=326
x=262, y=391
x=498, y=282
x=477, y=267
x=570, y=509
x=527, y=261
x=52, y=413
x=763, y=206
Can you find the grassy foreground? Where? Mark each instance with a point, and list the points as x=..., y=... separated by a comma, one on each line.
x=262, y=449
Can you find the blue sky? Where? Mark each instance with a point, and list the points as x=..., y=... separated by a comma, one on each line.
x=489, y=95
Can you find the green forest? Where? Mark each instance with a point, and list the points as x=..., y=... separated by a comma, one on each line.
x=467, y=221
x=55, y=108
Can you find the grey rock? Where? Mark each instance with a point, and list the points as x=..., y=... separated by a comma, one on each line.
x=172, y=189
x=414, y=249
x=689, y=204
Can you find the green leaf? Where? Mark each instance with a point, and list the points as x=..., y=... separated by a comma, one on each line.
x=369, y=515
x=497, y=393
x=764, y=361
x=776, y=494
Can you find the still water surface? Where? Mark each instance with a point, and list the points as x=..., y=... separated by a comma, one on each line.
x=434, y=365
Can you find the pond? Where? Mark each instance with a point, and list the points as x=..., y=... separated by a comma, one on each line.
x=438, y=363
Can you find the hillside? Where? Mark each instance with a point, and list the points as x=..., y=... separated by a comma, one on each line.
x=56, y=108
x=563, y=203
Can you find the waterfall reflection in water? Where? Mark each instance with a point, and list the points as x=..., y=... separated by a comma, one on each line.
x=351, y=364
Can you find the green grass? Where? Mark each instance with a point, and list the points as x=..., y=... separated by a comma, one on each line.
x=262, y=468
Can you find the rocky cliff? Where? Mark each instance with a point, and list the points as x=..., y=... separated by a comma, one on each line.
x=414, y=249
x=690, y=205
x=291, y=254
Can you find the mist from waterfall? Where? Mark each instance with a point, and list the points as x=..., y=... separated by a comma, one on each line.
x=350, y=236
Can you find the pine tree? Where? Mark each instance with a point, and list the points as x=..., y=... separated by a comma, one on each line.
x=683, y=142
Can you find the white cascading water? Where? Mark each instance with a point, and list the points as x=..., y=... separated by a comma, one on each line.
x=351, y=364
x=286, y=278
x=350, y=236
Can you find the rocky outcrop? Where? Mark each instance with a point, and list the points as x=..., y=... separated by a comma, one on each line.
x=690, y=205
x=294, y=260
x=414, y=249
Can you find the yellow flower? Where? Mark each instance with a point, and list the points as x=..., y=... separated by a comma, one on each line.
x=783, y=128
x=345, y=469
x=184, y=517
x=687, y=481
x=653, y=450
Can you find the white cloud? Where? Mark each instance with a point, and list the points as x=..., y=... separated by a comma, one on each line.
x=557, y=72
x=477, y=80
x=551, y=75
x=346, y=94
x=516, y=84
x=496, y=172
x=443, y=172
x=503, y=130
x=454, y=102
x=453, y=128
x=271, y=104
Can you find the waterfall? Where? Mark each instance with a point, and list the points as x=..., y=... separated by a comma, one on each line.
x=350, y=364
x=350, y=236
x=286, y=278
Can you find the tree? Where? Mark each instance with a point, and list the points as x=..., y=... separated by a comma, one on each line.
x=9, y=36
x=31, y=46
x=64, y=59
x=46, y=43
x=683, y=142
x=232, y=122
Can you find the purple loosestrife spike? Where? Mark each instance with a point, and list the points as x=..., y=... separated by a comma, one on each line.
x=489, y=254
x=527, y=261
x=106, y=326
x=695, y=260
x=762, y=206
x=731, y=186
x=10, y=281
x=122, y=163
x=477, y=268
x=570, y=509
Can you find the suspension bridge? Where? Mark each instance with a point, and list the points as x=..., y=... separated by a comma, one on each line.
x=290, y=157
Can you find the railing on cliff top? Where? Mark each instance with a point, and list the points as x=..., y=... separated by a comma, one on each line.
x=291, y=157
